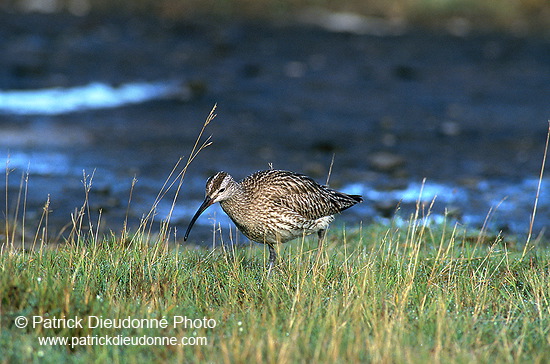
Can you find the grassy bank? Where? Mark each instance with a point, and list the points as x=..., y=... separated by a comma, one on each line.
x=379, y=294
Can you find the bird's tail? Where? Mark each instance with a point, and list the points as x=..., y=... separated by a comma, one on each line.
x=344, y=201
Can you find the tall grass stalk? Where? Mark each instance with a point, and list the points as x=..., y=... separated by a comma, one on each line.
x=535, y=204
x=176, y=177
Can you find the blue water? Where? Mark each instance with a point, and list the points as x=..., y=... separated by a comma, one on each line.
x=95, y=95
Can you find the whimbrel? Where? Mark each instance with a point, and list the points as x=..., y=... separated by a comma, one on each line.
x=275, y=206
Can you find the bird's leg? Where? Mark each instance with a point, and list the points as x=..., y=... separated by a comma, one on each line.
x=272, y=259
x=321, y=234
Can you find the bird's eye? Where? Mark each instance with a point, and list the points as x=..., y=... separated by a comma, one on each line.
x=221, y=190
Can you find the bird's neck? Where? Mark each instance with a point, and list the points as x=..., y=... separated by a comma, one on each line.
x=237, y=202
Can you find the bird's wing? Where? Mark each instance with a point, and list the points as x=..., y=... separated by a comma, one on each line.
x=302, y=195
x=297, y=193
x=310, y=205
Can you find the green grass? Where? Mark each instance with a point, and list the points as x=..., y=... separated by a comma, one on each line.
x=381, y=294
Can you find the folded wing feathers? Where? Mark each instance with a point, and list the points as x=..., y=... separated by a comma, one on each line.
x=311, y=200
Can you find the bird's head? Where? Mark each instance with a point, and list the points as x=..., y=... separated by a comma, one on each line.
x=219, y=187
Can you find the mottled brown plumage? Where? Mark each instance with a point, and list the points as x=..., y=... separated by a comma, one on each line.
x=275, y=206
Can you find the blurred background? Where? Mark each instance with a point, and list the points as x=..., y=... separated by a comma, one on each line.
x=447, y=97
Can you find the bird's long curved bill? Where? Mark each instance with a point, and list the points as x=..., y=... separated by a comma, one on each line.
x=206, y=203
